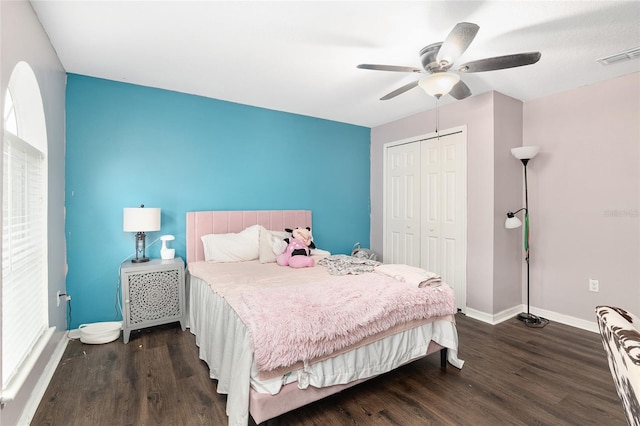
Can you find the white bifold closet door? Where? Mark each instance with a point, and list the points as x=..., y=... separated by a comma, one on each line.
x=425, y=207
x=402, y=205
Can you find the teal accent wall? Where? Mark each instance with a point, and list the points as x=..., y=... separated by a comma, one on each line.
x=129, y=145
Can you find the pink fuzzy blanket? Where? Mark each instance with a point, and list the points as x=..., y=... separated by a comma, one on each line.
x=299, y=323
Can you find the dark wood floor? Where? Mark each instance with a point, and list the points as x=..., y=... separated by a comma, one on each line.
x=513, y=375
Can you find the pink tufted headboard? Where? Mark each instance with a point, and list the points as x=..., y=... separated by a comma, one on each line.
x=223, y=222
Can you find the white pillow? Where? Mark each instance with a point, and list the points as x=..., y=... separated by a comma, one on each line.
x=267, y=241
x=232, y=247
x=320, y=252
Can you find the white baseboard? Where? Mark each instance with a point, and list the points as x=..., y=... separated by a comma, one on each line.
x=494, y=319
x=568, y=320
x=43, y=382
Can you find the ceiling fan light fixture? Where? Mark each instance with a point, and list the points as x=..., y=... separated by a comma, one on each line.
x=439, y=83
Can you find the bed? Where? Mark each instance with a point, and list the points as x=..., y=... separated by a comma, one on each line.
x=239, y=309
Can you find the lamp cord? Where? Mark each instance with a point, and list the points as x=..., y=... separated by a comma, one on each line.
x=118, y=307
x=69, y=317
x=134, y=253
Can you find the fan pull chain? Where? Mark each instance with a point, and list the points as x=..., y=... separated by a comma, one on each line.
x=437, y=118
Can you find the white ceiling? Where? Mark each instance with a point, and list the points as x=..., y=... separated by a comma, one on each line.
x=301, y=56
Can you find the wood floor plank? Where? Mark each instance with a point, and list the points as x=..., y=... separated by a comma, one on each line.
x=158, y=387
x=513, y=375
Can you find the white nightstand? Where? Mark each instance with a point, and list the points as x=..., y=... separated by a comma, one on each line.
x=153, y=293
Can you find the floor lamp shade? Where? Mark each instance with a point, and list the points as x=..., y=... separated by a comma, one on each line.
x=512, y=222
x=525, y=152
x=140, y=220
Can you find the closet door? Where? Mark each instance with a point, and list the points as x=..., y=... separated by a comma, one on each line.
x=402, y=209
x=443, y=206
x=425, y=207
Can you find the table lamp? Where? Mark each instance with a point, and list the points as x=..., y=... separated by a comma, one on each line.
x=140, y=220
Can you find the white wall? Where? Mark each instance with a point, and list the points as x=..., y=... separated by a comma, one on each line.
x=585, y=197
x=23, y=39
x=508, y=188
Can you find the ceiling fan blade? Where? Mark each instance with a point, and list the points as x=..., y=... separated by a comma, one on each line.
x=400, y=90
x=397, y=68
x=501, y=62
x=456, y=42
x=460, y=90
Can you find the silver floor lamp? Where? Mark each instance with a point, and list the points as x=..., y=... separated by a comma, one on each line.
x=524, y=154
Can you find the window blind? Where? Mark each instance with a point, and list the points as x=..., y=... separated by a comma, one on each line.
x=24, y=254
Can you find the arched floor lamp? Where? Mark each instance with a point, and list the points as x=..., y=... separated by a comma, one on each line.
x=524, y=154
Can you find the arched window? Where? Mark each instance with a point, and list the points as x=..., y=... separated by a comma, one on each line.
x=25, y=316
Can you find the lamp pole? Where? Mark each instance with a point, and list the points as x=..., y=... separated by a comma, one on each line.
x=526, y=221
x=524, y=154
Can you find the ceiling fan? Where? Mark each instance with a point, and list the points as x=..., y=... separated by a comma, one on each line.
x=438, y=58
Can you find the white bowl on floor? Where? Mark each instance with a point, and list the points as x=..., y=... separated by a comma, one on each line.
x=100, y=332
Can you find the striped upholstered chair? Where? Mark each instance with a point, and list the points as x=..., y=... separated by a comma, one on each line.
x=620, y=331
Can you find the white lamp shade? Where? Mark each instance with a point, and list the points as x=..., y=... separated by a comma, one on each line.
x=525, y=152
x=512, y=222
x=141, y=219
x=439, y=83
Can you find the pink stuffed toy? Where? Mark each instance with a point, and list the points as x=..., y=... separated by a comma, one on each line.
x=304, y=235
x=297, y=254
x=287, y=258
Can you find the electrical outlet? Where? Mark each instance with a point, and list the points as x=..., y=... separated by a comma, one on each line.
x=60, y=295
x=594, y=285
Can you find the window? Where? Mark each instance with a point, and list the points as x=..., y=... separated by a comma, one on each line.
x=25, y=315
x=10, y=122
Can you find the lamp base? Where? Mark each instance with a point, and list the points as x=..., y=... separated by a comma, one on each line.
x=532, y=320
x=140, y=260
x=528, y=317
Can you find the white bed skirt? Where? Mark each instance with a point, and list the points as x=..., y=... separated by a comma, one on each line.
x=225, y=345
